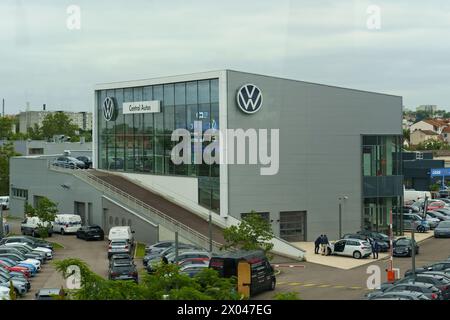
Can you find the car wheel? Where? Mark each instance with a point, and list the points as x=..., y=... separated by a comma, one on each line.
x=357, y=255
x=421, y=229
x=272, y=285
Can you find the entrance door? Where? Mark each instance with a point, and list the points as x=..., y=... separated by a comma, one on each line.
x=293, y=226
x=80, y=209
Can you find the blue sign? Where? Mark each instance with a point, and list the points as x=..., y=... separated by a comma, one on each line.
x=440, y=172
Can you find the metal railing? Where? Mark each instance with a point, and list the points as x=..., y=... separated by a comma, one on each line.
x=153, y=214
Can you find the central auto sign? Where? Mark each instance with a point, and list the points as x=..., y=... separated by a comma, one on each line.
x=141, y=107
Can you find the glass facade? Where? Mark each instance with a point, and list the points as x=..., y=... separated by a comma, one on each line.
x=141, y=143
x=382, y=182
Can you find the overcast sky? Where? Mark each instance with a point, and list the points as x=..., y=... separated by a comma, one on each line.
x=42, y=61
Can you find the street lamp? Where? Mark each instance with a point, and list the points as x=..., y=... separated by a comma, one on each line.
x=340, y=214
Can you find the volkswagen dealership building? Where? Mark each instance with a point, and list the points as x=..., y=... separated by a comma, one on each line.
x=309, y=158
x=336, y=147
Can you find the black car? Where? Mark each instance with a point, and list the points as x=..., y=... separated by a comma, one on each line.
x=426, y=289
x=384, y=246
x=90, y=233
x=403, y=247
x=380, y=237
x=86, y=160
x=123, y=271
x=439, y=266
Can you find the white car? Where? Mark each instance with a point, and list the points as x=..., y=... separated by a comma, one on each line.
x=66, y=223
x=121, y=233
x=34, y=262
x=355, y=248
x=4, y=293
x=4, y=202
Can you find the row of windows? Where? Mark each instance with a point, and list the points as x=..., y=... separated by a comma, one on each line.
x=20, y=193
x=116, y=221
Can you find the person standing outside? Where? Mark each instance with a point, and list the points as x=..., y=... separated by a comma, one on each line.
x=325, y=245
x=317, y=244
x=375, y=249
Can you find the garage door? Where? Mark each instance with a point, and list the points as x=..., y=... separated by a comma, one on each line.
x=293, y=226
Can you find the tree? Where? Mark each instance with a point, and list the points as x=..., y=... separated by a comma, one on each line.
x=58, y=123
x=35, y=132
x=46, y=211
x=6, y=124
x=253, y=233
x=166, y=283
x=6, y=152
x=406, y=134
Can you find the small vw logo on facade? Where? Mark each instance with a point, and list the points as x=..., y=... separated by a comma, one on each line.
x=249, y=98
x=109, y=107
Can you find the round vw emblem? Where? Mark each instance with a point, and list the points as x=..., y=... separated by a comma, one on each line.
x=249, y=98
x=109, y=107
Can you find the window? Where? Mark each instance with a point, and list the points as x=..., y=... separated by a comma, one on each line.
x=124, y=222
x=116, y=221
x=20, y=193
x=111, y=220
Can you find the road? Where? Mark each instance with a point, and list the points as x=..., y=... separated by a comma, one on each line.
x=318, y=282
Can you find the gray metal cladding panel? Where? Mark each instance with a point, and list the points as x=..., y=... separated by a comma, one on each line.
x=320, y=148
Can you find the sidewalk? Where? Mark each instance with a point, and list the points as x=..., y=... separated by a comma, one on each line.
x=347, y=263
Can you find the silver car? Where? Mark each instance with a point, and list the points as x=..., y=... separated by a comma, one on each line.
x=442, y=230
x=118, y=246
x=355, y=248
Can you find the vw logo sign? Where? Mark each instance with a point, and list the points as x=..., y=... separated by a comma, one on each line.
x=109, y=109
x=249, y=98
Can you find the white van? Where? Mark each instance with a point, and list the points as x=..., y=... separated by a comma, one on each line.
x=67, y=223
x=4, y=202
x=31, y=225
x=121, y=233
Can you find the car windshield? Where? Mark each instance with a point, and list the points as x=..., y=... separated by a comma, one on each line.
x=118, y=243
x=444, y=224
x=403, y=242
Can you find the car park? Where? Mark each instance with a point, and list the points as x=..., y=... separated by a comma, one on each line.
x=411, y=221
x=123, y=271
x=66, y=223
x=187, y=255
x=17, y=276
x=442, y=230
x=159, y=246
x=21, y=259
x=31, y=241
x=45, y=252
x=355, y=248
x=440, y=282
x=4, y=249
x=15, y=268
x=20, y=287
x=118, y=246
x=426, y=289
x=403, y=247
x=92, y=232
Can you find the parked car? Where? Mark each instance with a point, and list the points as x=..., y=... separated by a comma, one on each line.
x=444, y=211
x=31, y=225
x=33, y=242
x=68, y=162
x=19, y=258
x=435, y=204
x=67, y=223
x=119, y=258
x=15, y=268
x=4, y=293
x=355, y=248
x=86, y=160
x=439, y=266
x=123, y=272
x=48, y=253
x=187, y=255
x=380, y=237
x=193, y=269
x=403, y=247
x=118, y=246
x=4, y=249
x=440, y=282
x=384, y=245
x=433, y=222
x=159, y=246
x=4, y=202
x=49, y=294
x=442, y=230
x=169, y=254
x=438, y=215
x=20, y=287
x=158, y=254
x=400, y=295
x=190, y=261
x=426, y=289
x=121, y=233
x=415, y=221
x=93, y=232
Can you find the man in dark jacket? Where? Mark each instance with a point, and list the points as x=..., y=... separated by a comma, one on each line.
x=325, y=245
x=375, y=249
x=317, y=244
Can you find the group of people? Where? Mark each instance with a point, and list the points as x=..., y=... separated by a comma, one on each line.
x=321, y=244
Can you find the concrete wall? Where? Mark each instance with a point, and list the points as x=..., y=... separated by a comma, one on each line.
x=320, y=150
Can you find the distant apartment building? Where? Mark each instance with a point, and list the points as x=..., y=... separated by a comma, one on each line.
x=427, y=107
x=28, y=119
